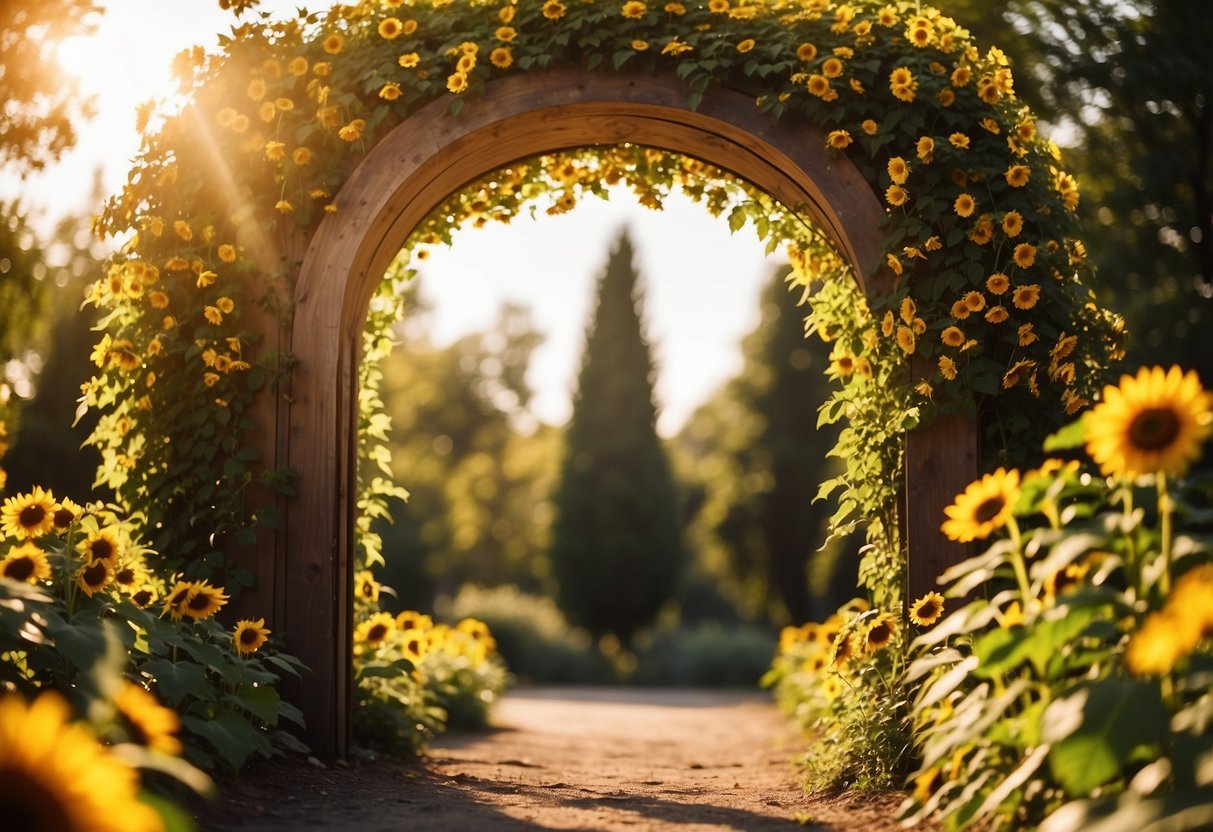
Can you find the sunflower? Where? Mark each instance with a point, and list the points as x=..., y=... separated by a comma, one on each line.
x=143, y=597
x=899, y=170
x=54, y=775
x=947, y=367
x=844, y=650
x=148, y=723
x=415, y=644
x=1155, y=648
x=66, y=513
x=1025, y=255
x=1026, y=296
x=413, y=620
x=1152, y=422
x=390, y=28
x=93, y=577
x=28, y=515
x=983, y=507
x=905, y=340
x=203, y=601
x=27, y=563
x=998, y=283
x=880, y=633
x=965, y=205
x=896, y=195
x=101, y=545
x=249, y=636
x=375, y=629
x=952, y=336
x=926, y=610
x=366, y=588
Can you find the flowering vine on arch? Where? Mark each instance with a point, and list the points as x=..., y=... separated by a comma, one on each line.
x=989, y=306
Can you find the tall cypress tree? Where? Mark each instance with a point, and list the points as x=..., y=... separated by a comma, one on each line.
x=616, y=549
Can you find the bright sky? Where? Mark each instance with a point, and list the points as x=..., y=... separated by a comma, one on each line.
x=701, y=282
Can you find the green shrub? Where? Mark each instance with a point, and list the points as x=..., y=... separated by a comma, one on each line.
x=533, y=637
x=706, y=655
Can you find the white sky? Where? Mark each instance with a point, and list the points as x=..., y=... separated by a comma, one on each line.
x=701, y=282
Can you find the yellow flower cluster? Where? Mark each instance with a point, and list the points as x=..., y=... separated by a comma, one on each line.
x=1173, y=632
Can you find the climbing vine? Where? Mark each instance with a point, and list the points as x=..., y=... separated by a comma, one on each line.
x=988, y=302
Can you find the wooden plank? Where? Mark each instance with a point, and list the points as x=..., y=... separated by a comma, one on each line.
x=941, y=459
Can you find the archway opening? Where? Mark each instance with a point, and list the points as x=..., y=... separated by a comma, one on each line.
x=481, y=467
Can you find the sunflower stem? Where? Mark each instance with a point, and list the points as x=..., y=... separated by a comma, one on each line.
x=1165, y=510
x=1018, y=565
x=1131, y=563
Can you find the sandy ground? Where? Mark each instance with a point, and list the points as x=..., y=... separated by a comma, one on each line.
x=569, y=759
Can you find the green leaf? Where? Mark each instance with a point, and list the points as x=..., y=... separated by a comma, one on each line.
x=1071, y=436
x=1095, y=729
x=177, y=681
x=229, y=733
x=261, y=702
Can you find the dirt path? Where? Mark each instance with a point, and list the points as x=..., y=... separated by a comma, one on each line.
x=570, y=759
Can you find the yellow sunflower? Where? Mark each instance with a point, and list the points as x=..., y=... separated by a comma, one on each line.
x=249, y=636
x=66, y=513
x=28, y=515
x=27, y=563
x=375, y=629
x=101, y=545
x=366, y=588
x=983, y=507
x=147, y=722
x=844, y=650
x=143, y=597
x=1152, y=422
x=926, y=610
x=93, y=577
x=880, y=633
x=204, y=601
x=54, y=775
x=1155, y=648
x=413, y=620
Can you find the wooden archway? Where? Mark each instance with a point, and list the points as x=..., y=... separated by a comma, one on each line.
x=409, y=173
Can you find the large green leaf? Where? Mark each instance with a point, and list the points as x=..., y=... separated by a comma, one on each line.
x=229, y=733
x=1096, y=728
x=177, y=681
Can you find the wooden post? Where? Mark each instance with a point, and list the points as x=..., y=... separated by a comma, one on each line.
x=941, y=459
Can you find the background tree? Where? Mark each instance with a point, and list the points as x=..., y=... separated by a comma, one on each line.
x=39, y=105
x=1127, y=86
x=616, y=550
x=478, y=467
x=756, y=453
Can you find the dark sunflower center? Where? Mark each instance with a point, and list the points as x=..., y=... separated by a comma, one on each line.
x=249, y=637
x=126, y=576
x=1154, y=428
x=368, y=590
x=178, y=596
x=27, y=804
x=879, y=634
x=102, y=549
x=63, y=518
x=928, y=610
x=136, y=732
x=413, y=647
x=142, y=598
x=94, y=574
x=989, y=509
x=377, y=633
x=19, y=569
x=199, y=602
x=408, y=624
x=31, y=516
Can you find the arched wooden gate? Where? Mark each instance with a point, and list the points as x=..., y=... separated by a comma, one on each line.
x=411, y=171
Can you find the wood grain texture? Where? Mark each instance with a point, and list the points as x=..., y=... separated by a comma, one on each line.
x=403, y=178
